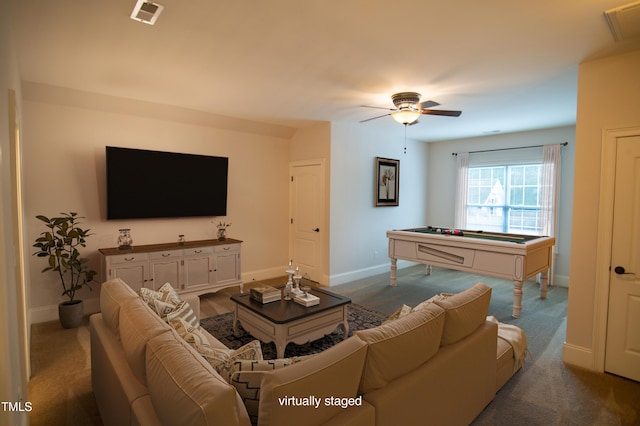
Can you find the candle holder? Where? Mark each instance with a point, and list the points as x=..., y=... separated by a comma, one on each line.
x=297, y=291
x=288, y=288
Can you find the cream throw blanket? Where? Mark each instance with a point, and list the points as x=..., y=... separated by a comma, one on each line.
x=516, y=338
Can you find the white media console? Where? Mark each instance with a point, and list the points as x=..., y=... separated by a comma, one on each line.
x=196, y=267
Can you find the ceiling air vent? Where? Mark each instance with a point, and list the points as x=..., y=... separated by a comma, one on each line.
x=624, y=21
x=146, y=11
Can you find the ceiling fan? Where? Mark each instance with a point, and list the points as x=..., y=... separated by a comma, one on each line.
x=409, y=108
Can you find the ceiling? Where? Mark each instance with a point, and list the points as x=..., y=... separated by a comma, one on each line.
x=508, y=65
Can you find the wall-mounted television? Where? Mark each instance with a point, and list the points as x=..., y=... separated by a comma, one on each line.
x=144, y=184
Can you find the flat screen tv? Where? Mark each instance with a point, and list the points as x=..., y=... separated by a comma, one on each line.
x=145, y=184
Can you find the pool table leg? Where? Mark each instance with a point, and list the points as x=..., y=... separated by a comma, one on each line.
x=394, y=269
x=517, y=298
x=544, y=283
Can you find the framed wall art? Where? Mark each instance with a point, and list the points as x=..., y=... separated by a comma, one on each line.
x=387, y=182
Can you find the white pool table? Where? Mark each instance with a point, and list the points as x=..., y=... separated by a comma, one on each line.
x=510, y=256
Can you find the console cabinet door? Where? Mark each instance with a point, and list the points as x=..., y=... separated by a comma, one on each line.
x=165, y=266
x=130, y=268
x=227, y=270
x=198, y=268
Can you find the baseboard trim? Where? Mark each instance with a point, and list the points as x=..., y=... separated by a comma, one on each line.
x=578, y=356
x=365, y=273
x=262, y=274
x=561, y=281
x=50, y=312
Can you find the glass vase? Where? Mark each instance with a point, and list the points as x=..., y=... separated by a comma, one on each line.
x=124, y=239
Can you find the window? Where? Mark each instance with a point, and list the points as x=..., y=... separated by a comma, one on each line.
x=505, y=198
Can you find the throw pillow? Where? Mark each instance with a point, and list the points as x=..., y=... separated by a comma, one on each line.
x=150, y=296
x=166, y=294
x=246, y=377
x=436, y=298
x=192, y=335
x=163, y=308
x=170, y=294
x=401, y=312
x=222, y=360
x=184, y=311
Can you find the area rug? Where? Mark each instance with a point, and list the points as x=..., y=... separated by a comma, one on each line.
x=359, y=318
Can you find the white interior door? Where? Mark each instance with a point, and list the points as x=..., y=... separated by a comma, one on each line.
x=307, y=218
x=622, y=356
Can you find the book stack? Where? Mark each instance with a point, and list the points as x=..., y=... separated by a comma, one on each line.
x=265, y=294
x=307, y=299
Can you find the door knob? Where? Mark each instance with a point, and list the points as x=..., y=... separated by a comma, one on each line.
x=621, y=271
x=316, y=230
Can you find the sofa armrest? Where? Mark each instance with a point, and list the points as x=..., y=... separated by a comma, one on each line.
x=114, y=385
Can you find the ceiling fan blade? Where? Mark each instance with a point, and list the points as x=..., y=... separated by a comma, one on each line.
x=426, y=104
x=444, y=112
x=374, y=118
x=377, y=107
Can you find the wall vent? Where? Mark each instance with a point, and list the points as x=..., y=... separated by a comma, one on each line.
x=146, y=12
x=624, y=21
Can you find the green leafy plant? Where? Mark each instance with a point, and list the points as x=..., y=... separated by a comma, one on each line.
x=60, y=245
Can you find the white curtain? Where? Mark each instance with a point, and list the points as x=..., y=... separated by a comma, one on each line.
x=549, y=197
x=462, y=190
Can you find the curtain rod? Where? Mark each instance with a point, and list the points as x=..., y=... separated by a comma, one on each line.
x=507, y=149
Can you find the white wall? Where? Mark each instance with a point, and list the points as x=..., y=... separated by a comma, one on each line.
x=609, y=98
x=64, y=150
x=359, y=245
x=442, y=180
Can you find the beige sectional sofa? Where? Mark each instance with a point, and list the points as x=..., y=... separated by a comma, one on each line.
x=441, y=364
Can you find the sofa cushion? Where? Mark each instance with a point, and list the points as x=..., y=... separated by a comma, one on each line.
x=400, y=346
x=465, y=312
x=185, y=390
x=114, y=293
x=138, y=325
x=334, y=372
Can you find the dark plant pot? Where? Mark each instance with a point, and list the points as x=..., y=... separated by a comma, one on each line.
x=71, y=313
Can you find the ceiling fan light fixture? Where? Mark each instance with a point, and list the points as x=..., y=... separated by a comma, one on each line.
x=404, y=100
x=405, y=116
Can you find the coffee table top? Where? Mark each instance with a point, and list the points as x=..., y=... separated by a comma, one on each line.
x=284, y=311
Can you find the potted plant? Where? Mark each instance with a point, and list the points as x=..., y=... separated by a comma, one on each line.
x=59, y=244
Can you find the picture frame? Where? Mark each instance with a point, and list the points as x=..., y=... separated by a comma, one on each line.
x=387, y=182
